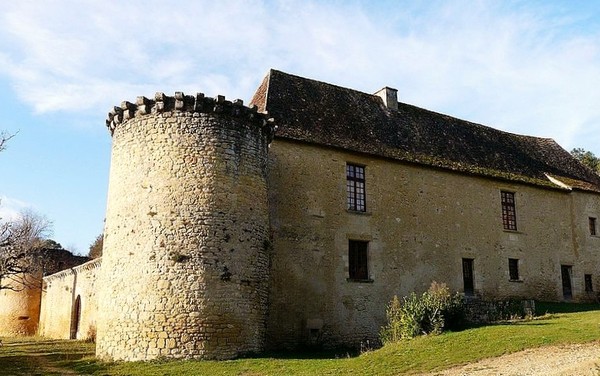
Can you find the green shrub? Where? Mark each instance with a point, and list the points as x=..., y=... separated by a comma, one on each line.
x=431, y=313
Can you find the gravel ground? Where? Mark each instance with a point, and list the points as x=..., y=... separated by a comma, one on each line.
x=576, y=360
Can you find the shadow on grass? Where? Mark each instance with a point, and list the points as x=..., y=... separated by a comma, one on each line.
x=542, y=308
x=527, y=322
x=50, y=364
x=310, y=353
x=25, y=356
x=86, y=366
x=18, y=365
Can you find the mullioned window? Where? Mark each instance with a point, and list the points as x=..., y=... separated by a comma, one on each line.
x=355, y=187
x=509, y=213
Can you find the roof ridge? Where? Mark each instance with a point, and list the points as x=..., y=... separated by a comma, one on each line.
x=327, y=114
x=272, y=70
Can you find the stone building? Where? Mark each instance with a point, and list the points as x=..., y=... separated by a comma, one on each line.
x=227, y=235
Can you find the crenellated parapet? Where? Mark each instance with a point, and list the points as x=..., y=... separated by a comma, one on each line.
x=187, y=103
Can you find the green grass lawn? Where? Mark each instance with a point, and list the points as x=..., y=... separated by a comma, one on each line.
x=37, y=356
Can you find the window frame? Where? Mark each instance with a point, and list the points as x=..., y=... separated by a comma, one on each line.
x=356, y=193
x=513, y=269
x=358, y=261
x=509, y=210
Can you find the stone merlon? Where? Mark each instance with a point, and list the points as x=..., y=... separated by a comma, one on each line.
x=186, y=103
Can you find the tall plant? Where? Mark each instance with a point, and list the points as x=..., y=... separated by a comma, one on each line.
x=431, y=313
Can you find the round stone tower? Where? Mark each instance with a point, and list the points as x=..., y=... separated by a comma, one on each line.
x=186, y=243
x=20, y=306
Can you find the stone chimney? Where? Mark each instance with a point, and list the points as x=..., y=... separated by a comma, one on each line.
x=390, y=97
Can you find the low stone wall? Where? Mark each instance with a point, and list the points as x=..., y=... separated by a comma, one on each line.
x=69, y=303
x=481, y=311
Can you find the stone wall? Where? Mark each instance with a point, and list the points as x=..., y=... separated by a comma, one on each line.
x=20, y=305
x=420, y=223
x=69, y=303
x=20, y=308
x=186, y=247
x=478, y=311
x=585, y=257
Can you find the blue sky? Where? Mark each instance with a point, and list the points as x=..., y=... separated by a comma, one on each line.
x=528, y=67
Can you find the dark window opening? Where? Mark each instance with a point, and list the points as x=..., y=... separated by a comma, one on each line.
x=355, y=187
x=588, y=283
x=509, y=214
x=565, y=273
x=75, y=318
x=469, y=285
x=358, y=260
x=513, y=269
x=592, y=224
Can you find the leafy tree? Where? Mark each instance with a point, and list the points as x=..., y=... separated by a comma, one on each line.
x=587, y=158
x=21, y=245
x=96, y=247
x=51, y=244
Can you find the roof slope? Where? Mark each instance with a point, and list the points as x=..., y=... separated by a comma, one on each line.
x=321, y=113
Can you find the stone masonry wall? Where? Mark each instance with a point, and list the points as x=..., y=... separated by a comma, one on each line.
x=419, y=224
x=186, y=249
x=57, y=305
x=86, y=289
x=20, y=308
x=61, y=291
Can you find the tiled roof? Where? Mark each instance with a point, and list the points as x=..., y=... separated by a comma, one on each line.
x=317, y=112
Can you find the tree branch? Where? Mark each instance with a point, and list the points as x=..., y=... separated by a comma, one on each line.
x=4, y=137
x=21, y=245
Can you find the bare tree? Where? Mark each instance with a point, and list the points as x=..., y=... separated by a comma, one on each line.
x=21, y=245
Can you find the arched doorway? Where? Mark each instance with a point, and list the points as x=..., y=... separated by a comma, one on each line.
x=75, y=317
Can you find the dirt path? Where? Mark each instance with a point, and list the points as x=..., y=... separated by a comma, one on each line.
x=576, y=360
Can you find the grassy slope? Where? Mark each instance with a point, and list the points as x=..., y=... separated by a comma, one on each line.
x=418, y=355
x=38, y=356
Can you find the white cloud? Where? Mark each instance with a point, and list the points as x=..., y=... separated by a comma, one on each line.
x=525, y=68
x=11, y=208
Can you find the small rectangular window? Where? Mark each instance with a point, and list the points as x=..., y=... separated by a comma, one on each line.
x=468, y=276
x=566, y=271
x=592, y=224
x=358, y=260
x=513, y=269
x=509, y=214
x=355, y=187
x=589, y=287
